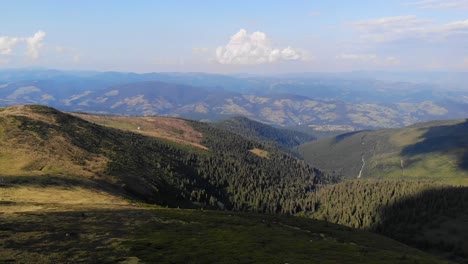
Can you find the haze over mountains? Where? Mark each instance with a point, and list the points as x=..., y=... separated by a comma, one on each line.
x=342, y=102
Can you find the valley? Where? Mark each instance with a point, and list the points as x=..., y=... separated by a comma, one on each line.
x=59, y=166
x=235, y=132
x=433, y=150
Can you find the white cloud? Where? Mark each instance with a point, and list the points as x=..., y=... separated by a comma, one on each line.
x=389, y=29
x=33, y=44
x=454, y=28
x=255, y=48
x=439, y=4
x=7, y=44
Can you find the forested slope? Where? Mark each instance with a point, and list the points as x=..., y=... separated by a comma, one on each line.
x=232, y=172
x=257, y=131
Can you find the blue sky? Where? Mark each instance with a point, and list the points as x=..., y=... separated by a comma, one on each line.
x=235, y=36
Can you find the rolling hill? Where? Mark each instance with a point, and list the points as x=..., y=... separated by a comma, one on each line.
x=436, y=150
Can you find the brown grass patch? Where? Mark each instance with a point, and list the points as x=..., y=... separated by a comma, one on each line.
x=26, y=155
x=34, y=198
x=25, y=110
x=173, y=129
x=260, y=152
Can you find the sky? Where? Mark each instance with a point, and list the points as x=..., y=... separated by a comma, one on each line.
x=235, y=36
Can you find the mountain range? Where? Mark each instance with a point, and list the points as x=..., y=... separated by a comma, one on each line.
x=314, y=102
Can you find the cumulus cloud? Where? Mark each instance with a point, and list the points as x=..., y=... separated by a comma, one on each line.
x=7, y=44
x=33, y=44
x=255, y=48
x=439, y=4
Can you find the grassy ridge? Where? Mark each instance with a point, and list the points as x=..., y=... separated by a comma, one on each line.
x=435, y=150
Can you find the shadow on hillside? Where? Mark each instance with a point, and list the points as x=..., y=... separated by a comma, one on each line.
x=443, y=139
x=44, y=181
x=59, y=236
x=433, y=220
x=341, y=137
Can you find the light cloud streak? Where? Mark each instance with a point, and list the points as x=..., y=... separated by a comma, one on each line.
x=360, y=57
x=369, y=58
x=388, y=29
x=439, y=4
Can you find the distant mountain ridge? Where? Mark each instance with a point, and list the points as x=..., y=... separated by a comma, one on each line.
x=284, y=100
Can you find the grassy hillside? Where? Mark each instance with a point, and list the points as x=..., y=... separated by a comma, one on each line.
x=147, y=235
x=68, y=189
x=180, y=164
x=261, y=132
x=436, y=150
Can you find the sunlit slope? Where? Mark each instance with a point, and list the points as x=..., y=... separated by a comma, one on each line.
x=437, y=150
x=165, y=161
